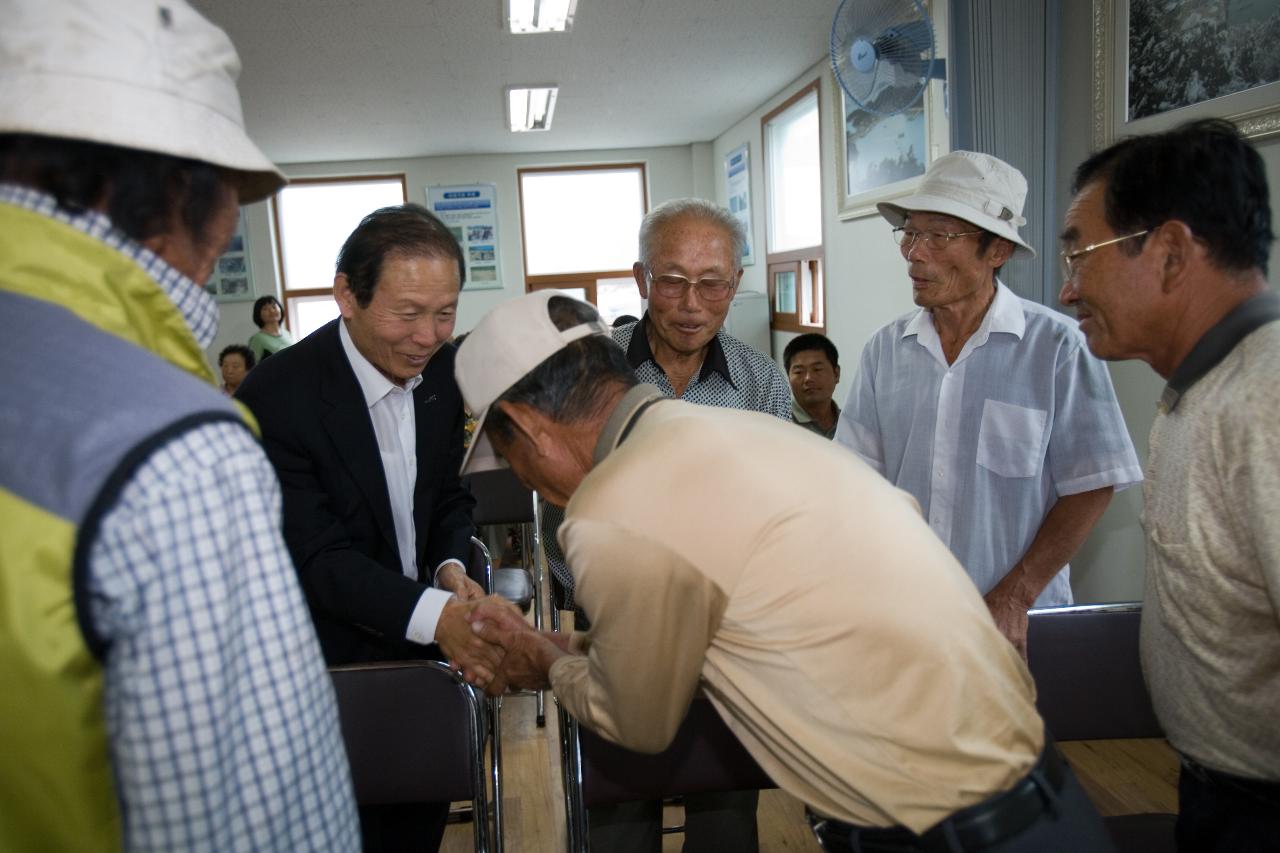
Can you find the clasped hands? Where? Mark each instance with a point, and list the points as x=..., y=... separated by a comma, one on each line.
x=490, y=643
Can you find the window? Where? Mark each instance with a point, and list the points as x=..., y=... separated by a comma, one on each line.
x=579, y=226
x=314, y=217
x=793, y=200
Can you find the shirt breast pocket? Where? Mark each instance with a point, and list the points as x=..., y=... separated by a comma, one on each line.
x=1011, y=439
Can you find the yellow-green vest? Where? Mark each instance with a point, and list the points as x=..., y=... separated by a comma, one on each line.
x=99, y=369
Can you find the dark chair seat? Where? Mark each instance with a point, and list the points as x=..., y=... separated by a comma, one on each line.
x=1089, y=686
x=414, y=733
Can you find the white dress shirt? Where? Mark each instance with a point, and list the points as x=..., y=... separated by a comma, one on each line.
x=988, y=444
x=395, y=426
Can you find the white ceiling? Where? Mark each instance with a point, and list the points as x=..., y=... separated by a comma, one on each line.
x=370, y=79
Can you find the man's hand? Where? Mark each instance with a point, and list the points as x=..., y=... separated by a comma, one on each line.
x=1008, y=602
x=453, y=578
x=478, y=660
x=529, y=653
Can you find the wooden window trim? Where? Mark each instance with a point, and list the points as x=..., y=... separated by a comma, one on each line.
x=579, y=279
x=815, y=255
x=285, y=291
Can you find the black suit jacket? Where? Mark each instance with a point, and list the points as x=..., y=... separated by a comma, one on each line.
x=337, y=515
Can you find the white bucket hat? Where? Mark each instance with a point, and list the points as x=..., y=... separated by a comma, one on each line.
x=146, y=74
x=504, y=347
x=975, y=187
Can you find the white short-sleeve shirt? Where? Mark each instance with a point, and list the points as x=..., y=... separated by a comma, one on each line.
x=1024, y=416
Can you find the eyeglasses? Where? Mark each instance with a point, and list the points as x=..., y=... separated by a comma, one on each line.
x=1069, y=265
x=935, y=240
x=674, y=286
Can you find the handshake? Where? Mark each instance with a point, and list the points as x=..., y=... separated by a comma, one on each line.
x=490, y=643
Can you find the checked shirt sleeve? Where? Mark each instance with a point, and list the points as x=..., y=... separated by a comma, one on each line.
x=224, y=732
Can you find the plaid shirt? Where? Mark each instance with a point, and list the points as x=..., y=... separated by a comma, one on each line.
x=224, y=732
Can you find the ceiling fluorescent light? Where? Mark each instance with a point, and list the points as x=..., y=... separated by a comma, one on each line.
x=540, y=16
x=530, y=107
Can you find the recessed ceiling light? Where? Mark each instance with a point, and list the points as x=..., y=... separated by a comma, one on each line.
x=530, y=107
x=540, y=16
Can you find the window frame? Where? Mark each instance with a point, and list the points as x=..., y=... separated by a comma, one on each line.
x=795, y=259
x=586, y=280
x=287, y=293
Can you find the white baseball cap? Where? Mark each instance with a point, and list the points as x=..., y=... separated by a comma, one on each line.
x=975, y=187
x=151, y=75
x=504, y=347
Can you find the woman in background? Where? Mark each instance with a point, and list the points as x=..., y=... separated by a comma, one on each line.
x=271, y=337
x=235, y=362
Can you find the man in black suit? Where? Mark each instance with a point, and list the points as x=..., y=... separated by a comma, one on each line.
x=364, y=424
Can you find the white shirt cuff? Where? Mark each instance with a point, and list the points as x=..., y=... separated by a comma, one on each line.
x=422, y=624
x=435, y=576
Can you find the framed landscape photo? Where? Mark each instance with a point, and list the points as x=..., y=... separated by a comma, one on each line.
x=232, y=279
x=1158, y=63
x=880, y=157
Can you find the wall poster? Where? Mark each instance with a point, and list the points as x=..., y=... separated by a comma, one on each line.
x=471, y=212
x=737, y=173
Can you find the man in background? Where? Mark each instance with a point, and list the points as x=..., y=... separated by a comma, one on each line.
x=162, y=684
x=689, y=269
x=812, y=363
x=987, y=407
x=1165, y=252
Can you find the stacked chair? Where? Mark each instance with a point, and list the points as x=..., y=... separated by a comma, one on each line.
x=1089, y=686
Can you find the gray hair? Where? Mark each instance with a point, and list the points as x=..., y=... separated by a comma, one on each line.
x=695, y=208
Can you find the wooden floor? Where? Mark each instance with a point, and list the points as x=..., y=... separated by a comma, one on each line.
x=1121, y=777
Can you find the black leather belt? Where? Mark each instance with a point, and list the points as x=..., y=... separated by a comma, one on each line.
x=992, y=821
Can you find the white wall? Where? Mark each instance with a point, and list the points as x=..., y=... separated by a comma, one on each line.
x=672, y=172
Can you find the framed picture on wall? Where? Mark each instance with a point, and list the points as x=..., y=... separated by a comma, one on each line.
x=1158, y=63
x=232, y=279
x=880, y=157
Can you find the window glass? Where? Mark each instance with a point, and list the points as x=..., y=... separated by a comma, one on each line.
x=581, y=220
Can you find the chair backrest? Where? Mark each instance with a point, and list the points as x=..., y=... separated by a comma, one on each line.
x=500, y=498
x=704, y=757
x=413, y=732
x=1088, y=676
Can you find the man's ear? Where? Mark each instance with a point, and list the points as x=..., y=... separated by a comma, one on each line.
x=529, y=422
x=637, y=272
x=1180, y=249
x=836, y=371
x=344, y=296
x=1000, y=251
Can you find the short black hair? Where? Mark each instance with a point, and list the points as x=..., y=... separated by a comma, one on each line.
x=1203, y=173
x=808, y=341
x=142, y=192
x=573, y=384
x=262, y=302
x=404, y=230
x=240, y=350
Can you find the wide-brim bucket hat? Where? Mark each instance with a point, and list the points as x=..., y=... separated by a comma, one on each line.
x=975, y=187
x=151, y=75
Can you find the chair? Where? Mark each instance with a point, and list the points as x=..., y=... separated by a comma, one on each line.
x=1089, y=686
x=704, y=757
x=414, y=732
x=502, y=500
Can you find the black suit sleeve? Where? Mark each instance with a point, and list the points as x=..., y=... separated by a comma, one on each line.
x=328, y=525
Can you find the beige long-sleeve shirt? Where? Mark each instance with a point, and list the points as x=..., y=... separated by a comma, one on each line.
x=835, y=634
x=1211, y=620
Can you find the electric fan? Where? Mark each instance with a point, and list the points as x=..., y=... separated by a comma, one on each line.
x=883, y=53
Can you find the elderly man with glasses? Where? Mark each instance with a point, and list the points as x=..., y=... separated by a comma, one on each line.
x=689, y=268
x=988, y=408
x=1167, y=242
